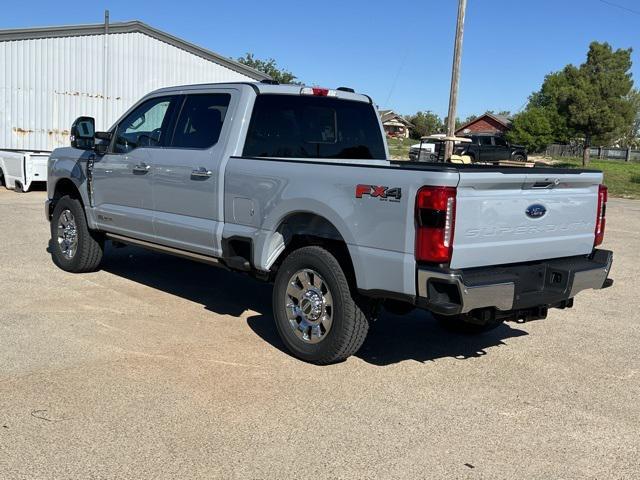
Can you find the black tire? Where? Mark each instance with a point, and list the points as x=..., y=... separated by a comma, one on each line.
x=519, y=158
x=349, y=325
x=466, y=324
x=90, y=246
x=2, y=181
x=19, y=188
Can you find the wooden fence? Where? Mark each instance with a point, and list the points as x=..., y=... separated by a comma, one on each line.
x=604, y=153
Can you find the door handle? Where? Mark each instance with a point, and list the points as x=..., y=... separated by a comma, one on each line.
x=201, y=173
x=545, y=185
x=141, y=168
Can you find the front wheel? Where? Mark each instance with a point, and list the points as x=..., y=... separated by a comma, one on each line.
x=317, y=316
x=73, y=246
x=519, y=158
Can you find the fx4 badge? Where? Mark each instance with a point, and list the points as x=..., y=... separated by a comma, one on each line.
x=393, y=194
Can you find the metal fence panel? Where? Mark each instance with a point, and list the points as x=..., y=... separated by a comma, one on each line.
x=604, y=153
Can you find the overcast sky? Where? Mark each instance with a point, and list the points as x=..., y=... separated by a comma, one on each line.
x=399, y=52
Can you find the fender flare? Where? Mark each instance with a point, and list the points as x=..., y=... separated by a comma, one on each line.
x=273, y=240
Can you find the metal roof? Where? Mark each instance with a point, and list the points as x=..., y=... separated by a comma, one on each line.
x=134, y=26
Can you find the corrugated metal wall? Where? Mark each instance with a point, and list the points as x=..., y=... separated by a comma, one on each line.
x=46, y=83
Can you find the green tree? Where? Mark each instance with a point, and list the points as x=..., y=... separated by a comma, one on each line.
x=469, y=119
x=548, y=99
x=424, y=123
x=269, y=67
x=532, y=128
x=458, y=123
x=502, y=113
x=591, y=102
x=595, y=99
x=629, y=135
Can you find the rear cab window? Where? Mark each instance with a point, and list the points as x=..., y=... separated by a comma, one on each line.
x=297, y=126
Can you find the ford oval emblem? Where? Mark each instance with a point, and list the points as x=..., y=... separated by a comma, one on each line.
x=535, y=211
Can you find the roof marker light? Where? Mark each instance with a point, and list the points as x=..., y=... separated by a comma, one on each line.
x=318, y=92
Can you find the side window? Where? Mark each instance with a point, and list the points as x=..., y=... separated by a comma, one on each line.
x=200, y=121
x=500, y=142
x=146, y=126
x=485, y=141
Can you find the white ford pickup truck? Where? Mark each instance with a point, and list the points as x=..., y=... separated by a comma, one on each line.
x=294, y=186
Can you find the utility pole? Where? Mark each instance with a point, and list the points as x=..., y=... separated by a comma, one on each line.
x=455, y=78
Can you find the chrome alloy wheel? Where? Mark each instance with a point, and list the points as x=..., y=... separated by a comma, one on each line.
x=309, y=306
x=67, y=234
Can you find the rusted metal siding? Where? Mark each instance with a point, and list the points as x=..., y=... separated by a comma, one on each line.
x=46, y=83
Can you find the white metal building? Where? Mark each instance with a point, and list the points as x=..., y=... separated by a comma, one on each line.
x=52, y=75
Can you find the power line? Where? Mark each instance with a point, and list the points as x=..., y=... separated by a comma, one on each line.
x=622, y=7
x=395, y=80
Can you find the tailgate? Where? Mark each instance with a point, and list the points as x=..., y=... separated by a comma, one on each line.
x=504, y=218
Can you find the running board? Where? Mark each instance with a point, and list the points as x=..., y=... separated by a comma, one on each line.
x=198, y=257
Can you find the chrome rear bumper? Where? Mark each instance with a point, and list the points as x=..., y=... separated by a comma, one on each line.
x=512, y=287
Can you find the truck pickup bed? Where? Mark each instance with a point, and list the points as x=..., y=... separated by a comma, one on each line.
x=293, y=185
x=19, y=169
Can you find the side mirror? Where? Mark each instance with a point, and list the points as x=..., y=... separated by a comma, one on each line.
x=103, y=139
x=83, y=133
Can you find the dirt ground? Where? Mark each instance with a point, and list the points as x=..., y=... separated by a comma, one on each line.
x=155, y=367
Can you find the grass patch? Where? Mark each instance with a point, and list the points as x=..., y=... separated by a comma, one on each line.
x=622, y=178
x=399, y=147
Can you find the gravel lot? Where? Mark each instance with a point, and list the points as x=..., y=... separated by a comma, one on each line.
x=155, y=367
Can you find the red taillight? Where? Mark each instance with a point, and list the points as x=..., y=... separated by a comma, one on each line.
x=600, y=217
x=435, y=219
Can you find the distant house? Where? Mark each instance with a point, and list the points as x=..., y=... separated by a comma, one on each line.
x=487, y=123
x=394, y=125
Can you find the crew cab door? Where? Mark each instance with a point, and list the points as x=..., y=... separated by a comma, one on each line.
x=121, y=178
x=186, y=176
x=486, y=149
x=501, y=149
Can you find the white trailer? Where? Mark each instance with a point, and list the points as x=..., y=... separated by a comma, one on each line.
x=19, y=169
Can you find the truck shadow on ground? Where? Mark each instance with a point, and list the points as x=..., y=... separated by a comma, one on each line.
x=391, y=338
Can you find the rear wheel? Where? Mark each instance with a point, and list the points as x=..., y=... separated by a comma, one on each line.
x=317, y=316
x=73, y=246
x=466, y=324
